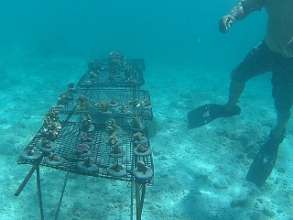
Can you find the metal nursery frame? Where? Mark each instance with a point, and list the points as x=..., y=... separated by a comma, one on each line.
x=138, y=186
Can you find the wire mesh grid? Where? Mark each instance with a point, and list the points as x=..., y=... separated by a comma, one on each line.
x=116, y=102
x=100, y=152
x=103, y=79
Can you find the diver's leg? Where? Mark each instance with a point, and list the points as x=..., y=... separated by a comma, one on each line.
x=235, y=91
x=283, y=117
x=265, y=160
x=281, y=125
x=257, y=62
x=282, y=83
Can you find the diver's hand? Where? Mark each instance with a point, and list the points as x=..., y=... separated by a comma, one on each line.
x=226, y=23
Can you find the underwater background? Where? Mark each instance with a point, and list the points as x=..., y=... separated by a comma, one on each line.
x=199, y=173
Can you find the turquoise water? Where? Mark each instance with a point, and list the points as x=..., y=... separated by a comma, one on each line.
x=160, y=32
x=199, y=173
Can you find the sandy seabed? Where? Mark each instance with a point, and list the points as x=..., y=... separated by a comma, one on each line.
x=200, y=173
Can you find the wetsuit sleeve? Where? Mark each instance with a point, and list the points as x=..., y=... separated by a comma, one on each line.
x=245, y=7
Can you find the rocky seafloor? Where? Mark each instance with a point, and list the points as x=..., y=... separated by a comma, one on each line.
x=200, y=173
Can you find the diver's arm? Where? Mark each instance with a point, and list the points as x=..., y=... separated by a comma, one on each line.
x=238, y=12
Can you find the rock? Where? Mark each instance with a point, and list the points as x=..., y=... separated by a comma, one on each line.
x=279, y=211
x=186, y=95
x=240, y=156
x=281, y=170
x=163, y=158
x=268, y=212
x=218, y=185
x=260, y=200
x=239, y=203
x=156, y=153
x=251, y=155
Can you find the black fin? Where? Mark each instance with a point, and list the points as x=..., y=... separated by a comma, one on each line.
x=264, y=162
x=206, y=113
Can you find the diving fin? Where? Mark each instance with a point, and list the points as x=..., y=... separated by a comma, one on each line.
x=206, y=113
x=264, y=162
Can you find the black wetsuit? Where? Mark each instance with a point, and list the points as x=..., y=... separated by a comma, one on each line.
x=262, y=60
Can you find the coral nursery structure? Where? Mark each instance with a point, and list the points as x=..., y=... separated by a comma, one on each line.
x=97, y=131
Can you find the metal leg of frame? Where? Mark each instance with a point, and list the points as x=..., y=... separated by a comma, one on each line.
x=25, y=181
x=140, y=195
x=39, y=191
x=61, y=197
x=132, y=198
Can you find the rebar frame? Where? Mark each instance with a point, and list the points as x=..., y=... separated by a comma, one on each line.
x=68, y=139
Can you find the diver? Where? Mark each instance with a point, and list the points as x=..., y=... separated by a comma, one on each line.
x=274, y=54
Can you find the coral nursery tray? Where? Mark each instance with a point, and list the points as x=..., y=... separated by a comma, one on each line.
x=107, y=103
x=95, y=152
x=101, y=74
x=98, y=128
